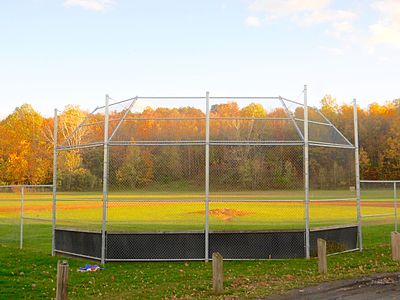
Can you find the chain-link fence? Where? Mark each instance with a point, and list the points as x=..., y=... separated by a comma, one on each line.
x=379, y=210
x=26, y=216
x=161, y=178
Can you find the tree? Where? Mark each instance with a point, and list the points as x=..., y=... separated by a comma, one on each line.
x=25, y=154
x=390, y=159
x=136, y=171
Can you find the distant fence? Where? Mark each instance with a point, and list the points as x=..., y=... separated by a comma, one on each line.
x=383, y=195
x=26, y=212
x=379, y=204
x=26, y=216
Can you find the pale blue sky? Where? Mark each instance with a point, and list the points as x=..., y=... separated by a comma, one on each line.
x=59, y=52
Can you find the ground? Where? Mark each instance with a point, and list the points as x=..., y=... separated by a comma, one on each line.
x=384, y=286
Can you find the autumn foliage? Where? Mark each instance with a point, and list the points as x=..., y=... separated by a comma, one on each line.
x=27, y=143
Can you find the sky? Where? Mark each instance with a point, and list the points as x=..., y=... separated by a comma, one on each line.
x=59, y=52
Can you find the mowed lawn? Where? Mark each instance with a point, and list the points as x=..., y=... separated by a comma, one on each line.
x=149, y=210
x=31, y=273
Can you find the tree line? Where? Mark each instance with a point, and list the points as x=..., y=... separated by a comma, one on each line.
x=26, y=148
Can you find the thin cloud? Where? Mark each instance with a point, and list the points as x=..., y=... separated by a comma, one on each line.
x=387, y=29
x=334, y=51
x=282, y=8
x=95, y=5
x=307, y=13
x=253, y=21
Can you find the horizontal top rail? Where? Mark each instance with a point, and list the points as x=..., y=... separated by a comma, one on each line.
x=292, y=101
x=200, y=98
x=330, y=145
x=380, y=181
x=314, y=122
x=246, y=97
x=170, y=97
x=213, y=142
x=26, y=185
x=115, y=103
x=204, y=118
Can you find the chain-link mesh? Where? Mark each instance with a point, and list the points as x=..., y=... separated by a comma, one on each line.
x=10, y=215
x=256, y=180
x=156, y=182
x=25, y=217
x=379, y=210
x=157, y=171
x=256, y=187
x=156, y=188
x=333, y=199
x=37, y=218
x=79, y=189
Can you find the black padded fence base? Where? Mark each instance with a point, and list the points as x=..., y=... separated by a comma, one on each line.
x=258, y=244
x=338, y=239
x=155, y=245
x=80, y=243
x=190, y=245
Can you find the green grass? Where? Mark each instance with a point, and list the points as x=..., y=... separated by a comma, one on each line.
x=31, y=272
x=146, y=210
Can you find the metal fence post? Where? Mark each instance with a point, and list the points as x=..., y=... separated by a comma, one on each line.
x=357, y=169
x=21, y=233
x=306, y=176
x=207, y=176
x=53, y=218
x=105, y=184
x=395, y=205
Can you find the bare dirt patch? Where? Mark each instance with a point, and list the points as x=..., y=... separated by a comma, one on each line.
x=226, y=214
x=378, y=286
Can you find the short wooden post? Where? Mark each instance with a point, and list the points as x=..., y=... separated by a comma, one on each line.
x=218, y=273
x=395, y=239
x=62, y=280
x=322, y=262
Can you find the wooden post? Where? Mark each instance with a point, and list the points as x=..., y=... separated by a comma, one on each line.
x=62, y=280
x=322, y=262
x=395, y=238
x=218, y=273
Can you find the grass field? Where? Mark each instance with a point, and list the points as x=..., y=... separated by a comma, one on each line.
x=186, y=210
x=30, y=273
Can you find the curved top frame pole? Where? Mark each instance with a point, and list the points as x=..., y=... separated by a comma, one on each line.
x=330, y=123
x=306, y=177
x=291, y=118
x=79, y=126
x=123, y=118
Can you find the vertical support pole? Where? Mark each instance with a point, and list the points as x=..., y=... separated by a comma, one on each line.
x=306, y=177
x=395, y=205
x=53, y=218
x=105, y=184
x=357, y=166
x=21, y=230
x=207, y=177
